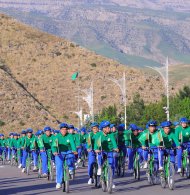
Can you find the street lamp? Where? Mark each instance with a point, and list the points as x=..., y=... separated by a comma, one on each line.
x=122, y=85
x=89, y=99
x=163, y=71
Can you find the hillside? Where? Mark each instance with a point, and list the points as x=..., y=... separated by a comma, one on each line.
x=36, y=69
x=136, y=33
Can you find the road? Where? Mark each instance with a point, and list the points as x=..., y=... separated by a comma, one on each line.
x=12, y=181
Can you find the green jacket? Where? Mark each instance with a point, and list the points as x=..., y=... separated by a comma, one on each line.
x=182, y=134
x=104, y=142
x=131, y=140
x=90, y=140
x=63, y=143
x=168, y=140
x=29, y=143
x=45, y=142
x=148, y=139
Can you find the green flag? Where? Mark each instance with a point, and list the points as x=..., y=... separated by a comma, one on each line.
x=74, y=76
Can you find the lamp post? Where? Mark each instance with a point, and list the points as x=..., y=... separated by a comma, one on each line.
x=121, y=83
x=163, y=71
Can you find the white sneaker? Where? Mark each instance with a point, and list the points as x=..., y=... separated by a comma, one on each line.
x=20, y=166
x=70, y=172
x=99, y=171
x=113, y=186
x=58, y=186
x=79, y=160
x=161, y=168
x=90, y=181
x=130, y=171
x=35, y=168
x=23, y=170
x=145, y=165
x=179, y=170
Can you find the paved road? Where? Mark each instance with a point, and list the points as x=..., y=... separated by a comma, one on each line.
x=12, y=181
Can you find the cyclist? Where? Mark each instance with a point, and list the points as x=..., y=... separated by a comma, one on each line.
x=8, y=143
x=148, y=139
x=29, y=145
x=105, y=144
x=182, y=133
x=63, y=147
x=134, y=145
x=91, y=153
x=45, y=143
x=167, y=139
x=2, y=144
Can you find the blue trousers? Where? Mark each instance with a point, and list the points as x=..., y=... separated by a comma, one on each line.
x=131, y=155
x=180, y=153
x=92, y=157
x=25, y=155
x=8, y=153
x=44, y=158
x=162, y=152
x=59, y=160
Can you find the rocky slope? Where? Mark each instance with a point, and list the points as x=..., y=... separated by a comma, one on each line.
x=36, y=85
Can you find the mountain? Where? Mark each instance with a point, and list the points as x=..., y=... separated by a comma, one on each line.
x=137, y=33
x=36, y=86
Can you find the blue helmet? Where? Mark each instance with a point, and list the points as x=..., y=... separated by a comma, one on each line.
x=175, y=123
x=152, y=123
x=40, y=132
x=112, y=125
x=15, y=134
x=133, y=127
x=121, y=127
x=184, y=120
x=95, y=124
x=56, y=131
x=63, y=125
x=23, y=131
x=2, y=135
x=71, y=127
x=104, y=124
x=11, y=133
x=166, y=124
x=29, y=130
x=47, y=128
x=140, y=128
x=83, y=129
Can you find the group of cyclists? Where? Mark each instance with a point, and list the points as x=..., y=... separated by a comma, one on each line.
x=104, y=142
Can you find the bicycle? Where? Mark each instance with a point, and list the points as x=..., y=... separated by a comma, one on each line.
x=50, y=167
x=14, y=157
x=66, y=177
x=121, y=164
x=167, y=175
x=28, y=163
x=136, y=166
x=152, y=170
x=3, y=157
x=186, y=161
x=39, y=166
x=106, y=176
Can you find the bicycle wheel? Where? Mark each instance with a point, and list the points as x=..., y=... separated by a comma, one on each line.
x=95, y=169
x=187, y=169
x=137, y=167
x=51, y=171
x=109, y=179
x=103, y=183
x=66, y=180
x=162, y=179
x=28, y=165
x=123, y=167
x=171, y=179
